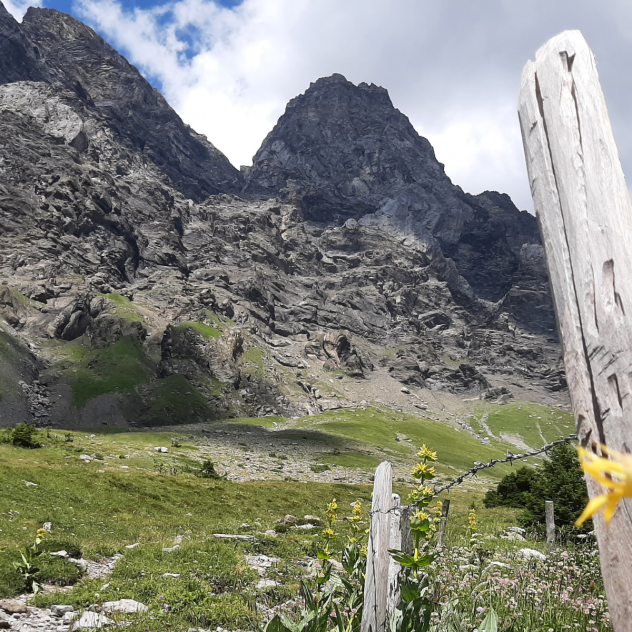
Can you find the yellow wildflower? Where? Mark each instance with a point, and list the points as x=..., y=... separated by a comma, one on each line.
x=614, y=473
x=472, y=519
x=421, y=470
x=427, y=453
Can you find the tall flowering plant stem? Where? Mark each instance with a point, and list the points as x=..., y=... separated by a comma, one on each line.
x=416, y=605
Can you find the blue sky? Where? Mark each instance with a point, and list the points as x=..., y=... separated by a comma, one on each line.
x=453, y=67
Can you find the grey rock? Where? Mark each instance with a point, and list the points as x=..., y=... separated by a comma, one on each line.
x=91, y=620
x=82, y=564
x=60, y=611
x=127, y=606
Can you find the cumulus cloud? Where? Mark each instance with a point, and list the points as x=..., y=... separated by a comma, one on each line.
x=452, y=67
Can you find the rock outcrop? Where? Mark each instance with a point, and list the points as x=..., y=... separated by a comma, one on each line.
x=146, y=281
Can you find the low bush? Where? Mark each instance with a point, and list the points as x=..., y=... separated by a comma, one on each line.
x=208, y=470
x=22, y=436
x=560, y=479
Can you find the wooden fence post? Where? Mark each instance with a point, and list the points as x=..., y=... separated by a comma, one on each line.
x=407, y=534
x=550, y=526
x=445, y=510
x=377, y=559
x=585, y=218
x=395, y=542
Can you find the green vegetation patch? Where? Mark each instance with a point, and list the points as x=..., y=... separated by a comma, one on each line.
x=381, y=429
x=124, y=308
x=253, y=356
x=264, y=422
x=204, y=330
x=98, y=513
x=119, y=367
x=220, y=321
x=531, y=421
x=173, y=399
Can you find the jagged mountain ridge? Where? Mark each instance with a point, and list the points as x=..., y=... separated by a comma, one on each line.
x=147, y=281
x=343, y=151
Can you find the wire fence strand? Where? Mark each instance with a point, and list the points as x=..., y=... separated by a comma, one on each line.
x=478, y=466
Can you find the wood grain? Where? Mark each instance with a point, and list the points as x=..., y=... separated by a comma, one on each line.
x=394, y=569
x=377, y=562
x=583, y=208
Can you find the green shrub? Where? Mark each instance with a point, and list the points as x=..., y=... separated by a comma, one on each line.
x=512, y=490
x=208, y=470
x=560, y=479
x=22, y=436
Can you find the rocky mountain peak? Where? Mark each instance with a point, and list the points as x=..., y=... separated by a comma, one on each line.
x=74, y=57
x=18, y=58
x=341, y=148
x=139, y=285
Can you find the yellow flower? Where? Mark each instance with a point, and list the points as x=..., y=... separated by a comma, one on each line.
x=327, y=534
x=472, y=519
x=421, y=470
x=427, y=453
x=614, y=473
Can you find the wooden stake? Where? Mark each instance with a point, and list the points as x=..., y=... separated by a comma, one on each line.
x=550, y=526
x=395, y=542
x=377, y=559
x=407, y=534
x=585, y=218
x=445, y=509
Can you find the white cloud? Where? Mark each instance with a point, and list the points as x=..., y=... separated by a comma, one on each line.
x=452, y=67
x=17, y=8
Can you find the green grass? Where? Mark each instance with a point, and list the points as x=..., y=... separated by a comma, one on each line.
x=174, y=399
x=100, y=507
x=204, y=330
x=119, y=367
x=124, y=308
x=264, y=422
x=530, y=421
x=253, y=356
x=220, y=321
x=380, y=428
x=101, y=512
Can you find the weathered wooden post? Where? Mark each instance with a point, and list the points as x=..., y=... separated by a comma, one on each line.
x=395, y=542
x=407, y=534
x=585, y=217
x=550, y=526
x=443, y=522
x=377, y=559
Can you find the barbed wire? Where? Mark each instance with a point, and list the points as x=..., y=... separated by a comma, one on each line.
x=478, y=466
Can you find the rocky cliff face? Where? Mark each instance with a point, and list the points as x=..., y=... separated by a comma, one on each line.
x=146, y=281
x=343, y=151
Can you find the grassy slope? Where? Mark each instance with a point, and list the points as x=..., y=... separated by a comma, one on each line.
x=101, y=512
x=530, y=421
x=111, y=502
x=388, y=430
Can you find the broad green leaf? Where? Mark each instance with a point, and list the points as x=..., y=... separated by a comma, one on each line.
x=490, y=622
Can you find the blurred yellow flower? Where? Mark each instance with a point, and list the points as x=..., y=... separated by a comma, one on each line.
x=427, y=453
x=614, y=473
x=423, y=471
